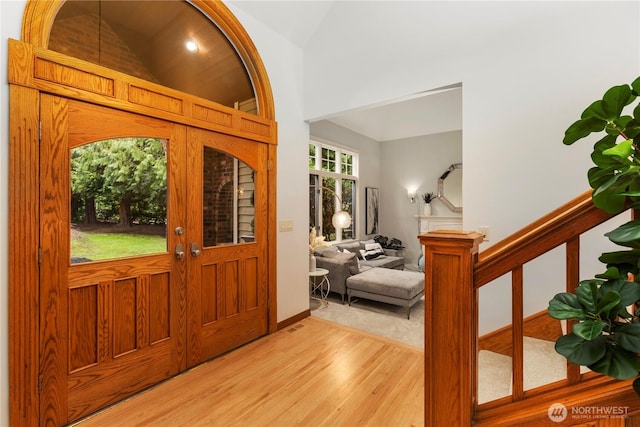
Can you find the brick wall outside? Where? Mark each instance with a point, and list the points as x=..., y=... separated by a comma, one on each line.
x=218, y=199
x=85, y=37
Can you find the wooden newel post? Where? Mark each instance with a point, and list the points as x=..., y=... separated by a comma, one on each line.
x=450, y=329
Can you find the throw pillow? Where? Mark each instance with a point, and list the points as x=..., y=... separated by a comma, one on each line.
x=368, y=255
x=364, y=243
x=325, y=251
x=357, y=260
x=373, y=246
x=349, y=259
x=372, y=251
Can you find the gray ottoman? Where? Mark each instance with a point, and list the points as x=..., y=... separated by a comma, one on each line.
x=397, y=287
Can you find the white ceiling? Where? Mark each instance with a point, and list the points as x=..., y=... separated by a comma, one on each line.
x=429, y=112
x=424, y=114
x=296, y=20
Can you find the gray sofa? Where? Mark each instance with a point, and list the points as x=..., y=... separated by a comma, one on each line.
x=342, y=265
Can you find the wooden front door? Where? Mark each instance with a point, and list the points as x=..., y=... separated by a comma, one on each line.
x=227, y=243
x=115, y=321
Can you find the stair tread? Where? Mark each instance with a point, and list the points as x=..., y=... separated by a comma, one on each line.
x=542, y=365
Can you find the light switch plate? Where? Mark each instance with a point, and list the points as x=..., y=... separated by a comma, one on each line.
x=286, y=225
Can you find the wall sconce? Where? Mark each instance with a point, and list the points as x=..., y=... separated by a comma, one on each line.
x=411, y=194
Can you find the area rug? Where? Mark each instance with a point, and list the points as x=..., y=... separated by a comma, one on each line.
x=382, y=319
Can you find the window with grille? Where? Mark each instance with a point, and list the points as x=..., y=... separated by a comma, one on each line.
x=333, y=181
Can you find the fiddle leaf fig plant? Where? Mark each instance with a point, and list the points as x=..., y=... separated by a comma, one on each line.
x=606, y=333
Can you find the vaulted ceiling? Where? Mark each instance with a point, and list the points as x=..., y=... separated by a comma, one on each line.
x=435, y=110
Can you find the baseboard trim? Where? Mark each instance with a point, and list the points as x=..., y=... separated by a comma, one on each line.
x=539, y=325
x=291, y=320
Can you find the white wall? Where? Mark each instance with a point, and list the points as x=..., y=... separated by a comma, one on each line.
x=283, y=62
x=415, y=163
x=528, y=70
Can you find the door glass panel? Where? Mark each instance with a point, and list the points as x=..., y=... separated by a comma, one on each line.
x=118, y=199
x=228, y=212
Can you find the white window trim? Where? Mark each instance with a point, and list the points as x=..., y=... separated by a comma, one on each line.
x=338, y=176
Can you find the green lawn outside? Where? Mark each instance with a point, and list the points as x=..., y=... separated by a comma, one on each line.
x=97, y=246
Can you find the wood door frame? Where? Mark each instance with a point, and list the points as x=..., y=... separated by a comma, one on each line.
x=34, y=69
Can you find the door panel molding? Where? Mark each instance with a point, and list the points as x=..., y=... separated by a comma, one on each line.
x=73, y=78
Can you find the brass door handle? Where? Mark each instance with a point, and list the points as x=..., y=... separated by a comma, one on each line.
x=179, y=251
x=195, y=249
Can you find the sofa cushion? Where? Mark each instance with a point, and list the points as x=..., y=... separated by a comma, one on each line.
x=356, y=257
x=348, y=258
x=323, y=251
x=383, y=281
x=350, y=246
x=386, y=262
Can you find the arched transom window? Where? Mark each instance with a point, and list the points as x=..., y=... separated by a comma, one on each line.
x=169, y=42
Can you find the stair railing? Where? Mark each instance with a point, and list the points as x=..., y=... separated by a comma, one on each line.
x=454, y=272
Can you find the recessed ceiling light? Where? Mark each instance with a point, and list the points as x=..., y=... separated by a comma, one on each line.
x=192, y=46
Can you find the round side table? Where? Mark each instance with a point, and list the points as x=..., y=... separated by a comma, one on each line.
x=319, y=283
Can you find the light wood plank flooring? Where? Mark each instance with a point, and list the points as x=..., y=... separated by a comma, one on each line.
x=313, y=373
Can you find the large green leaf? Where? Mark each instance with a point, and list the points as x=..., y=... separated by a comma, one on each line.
x=589, y=329
x=629, y=292
x=599, y=147
x=607, y=302
x=628, y=337
x=565, y=306
x=617, y=363
x=582, y=128
x=608, y=195
x=613, y=272
x=623, y=149
x=580, y=351
x=622, y=123
x=615, y=99
x=599, y=176
x=632, y=128
x=620, y=257
x=635, y=86
x=596, y=110
x=627, y=234
x=587, y=293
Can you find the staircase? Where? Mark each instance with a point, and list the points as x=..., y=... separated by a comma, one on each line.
x=469, y=384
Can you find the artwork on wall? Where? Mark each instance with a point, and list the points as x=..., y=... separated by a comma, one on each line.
x=372, y=203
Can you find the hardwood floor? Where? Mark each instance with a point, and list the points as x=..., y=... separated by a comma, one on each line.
x=313, y=373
